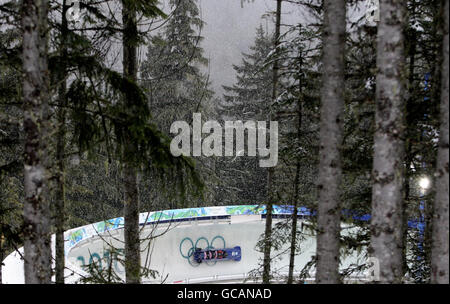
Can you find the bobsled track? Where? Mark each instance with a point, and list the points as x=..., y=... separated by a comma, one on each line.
x=169, y=240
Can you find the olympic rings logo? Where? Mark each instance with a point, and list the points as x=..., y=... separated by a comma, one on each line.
x=188, y=247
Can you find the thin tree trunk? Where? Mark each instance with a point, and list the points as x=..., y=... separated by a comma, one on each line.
x=406, y=199
x=1, y=251
x=330, y=171
x=37, y=222
x=387, y=201
x=271, y=170
x=60, y=213
x=132, y=240
x=296, y=189
x=439, y=251
x=408, y=143
x=60, y=151
x=131, y=204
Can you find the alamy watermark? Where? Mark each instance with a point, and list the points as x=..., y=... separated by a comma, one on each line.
x=372, y=11
x=213, y=145
x=373, y=272
x=226, y=141
x=73, y=13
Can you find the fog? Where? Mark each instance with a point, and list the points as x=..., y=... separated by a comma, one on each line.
x=230, y=30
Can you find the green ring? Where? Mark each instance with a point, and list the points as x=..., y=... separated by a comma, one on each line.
x=202, y=238
x=217, y=237
x=181, y=243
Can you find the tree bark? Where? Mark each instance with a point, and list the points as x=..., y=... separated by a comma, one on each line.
x=37, y=220
x=296, y=189
x=60, y=151
x=132, y=240
x=387, y=201
x=131, y=204
x=330, y=171
x=271, y=170
x=440, y=238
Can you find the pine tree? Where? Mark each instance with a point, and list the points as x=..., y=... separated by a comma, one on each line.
x=242, y=178
x=330, y=170
x=59, y=196
x=249, y=97
x=11, y=140
x=131, y=201
x=386, y=226
x=177, y=87
x=270, y=200
x=37, y=251
x=172, y=71
x=300, y=142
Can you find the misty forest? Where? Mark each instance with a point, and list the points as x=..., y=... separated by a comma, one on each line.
x=89, y=92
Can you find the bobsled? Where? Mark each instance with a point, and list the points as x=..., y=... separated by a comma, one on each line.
x=226, y=254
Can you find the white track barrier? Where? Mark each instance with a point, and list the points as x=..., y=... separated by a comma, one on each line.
x=168, y=241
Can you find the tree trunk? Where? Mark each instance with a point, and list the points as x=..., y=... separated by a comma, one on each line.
x=330, y=172
x=387, y=201
x=296, y=189
x=131, y=204
x=1, y=251
x=132, y=240
x=60, y=151
x=37, y=247
x=411, y=126
x=439, y=251
x=271, y=170
x=406, y=199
